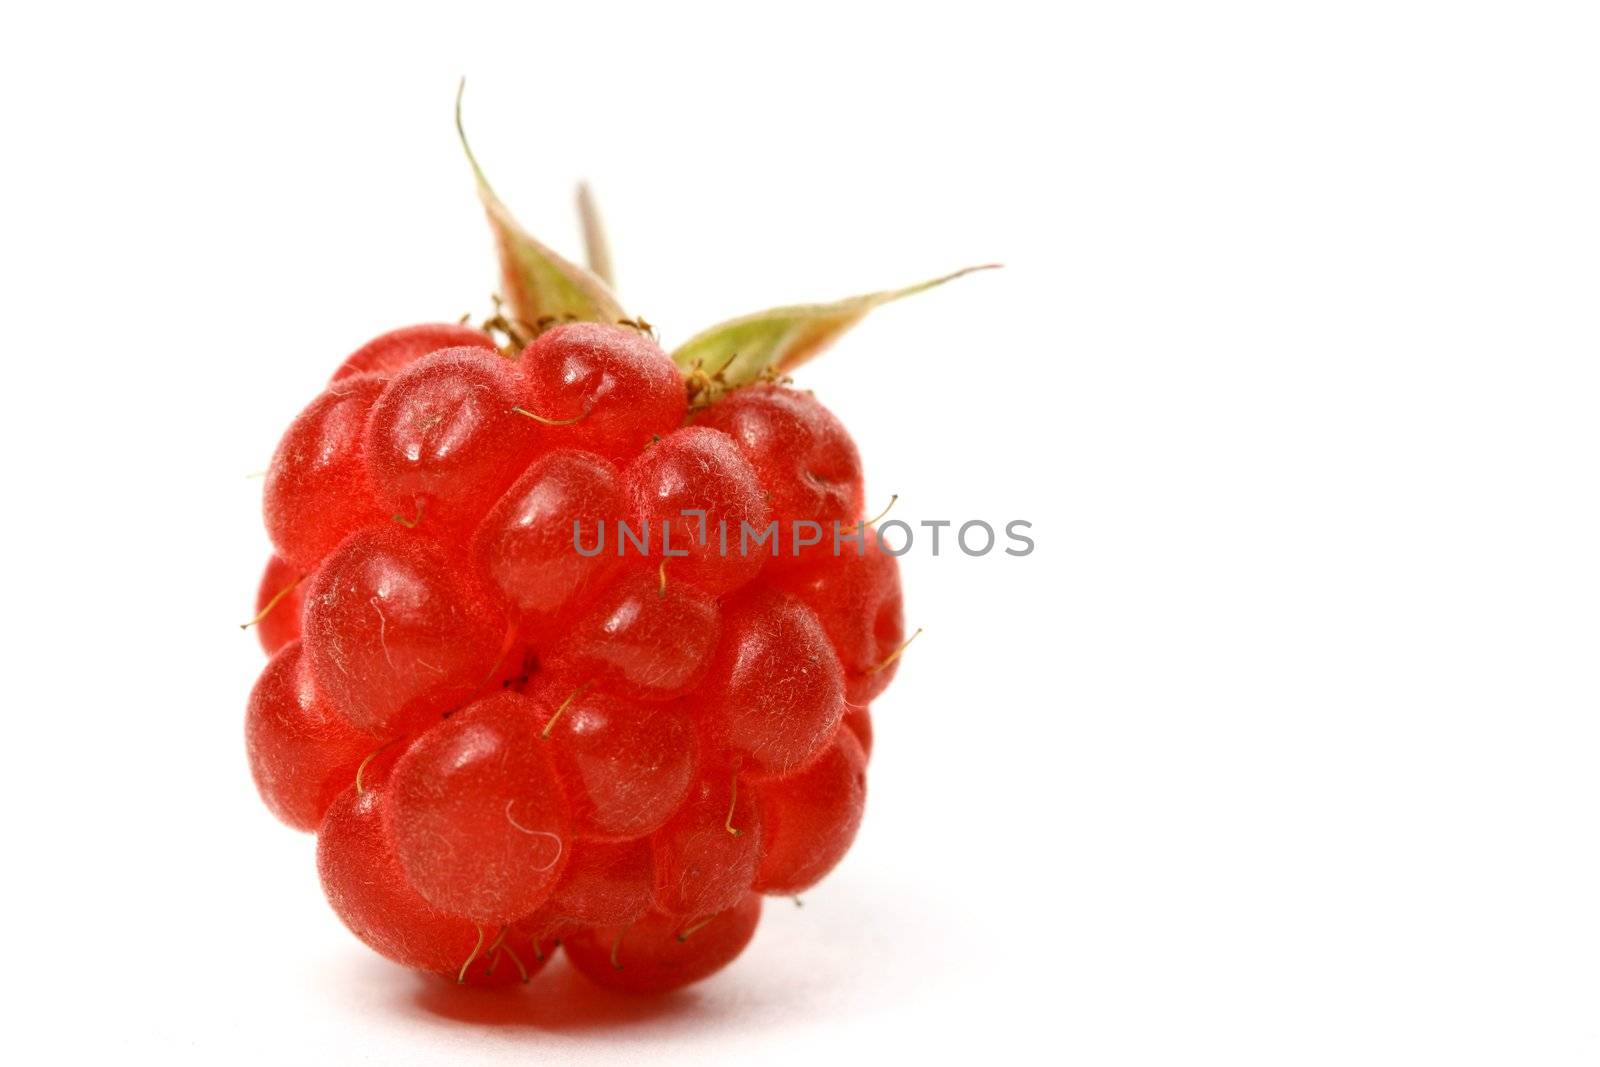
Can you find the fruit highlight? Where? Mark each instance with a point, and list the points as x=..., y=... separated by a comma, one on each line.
x=505, y=743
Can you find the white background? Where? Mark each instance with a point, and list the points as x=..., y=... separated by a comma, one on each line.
x=1280, y=749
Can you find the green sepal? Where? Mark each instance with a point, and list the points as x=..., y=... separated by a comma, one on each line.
x=540, y=287
x=745, y=349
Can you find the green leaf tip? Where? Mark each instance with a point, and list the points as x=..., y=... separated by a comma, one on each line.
x=743, y=350
x=540, y=286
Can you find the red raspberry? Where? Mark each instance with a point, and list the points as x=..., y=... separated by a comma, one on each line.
x=505, y=736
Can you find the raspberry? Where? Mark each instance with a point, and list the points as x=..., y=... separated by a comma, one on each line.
x=528, y=681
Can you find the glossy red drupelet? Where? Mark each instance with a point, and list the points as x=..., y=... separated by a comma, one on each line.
x=394, y=633
x=625, y=766
x=662, y=952
x=689, y=496
x=391, y=353
x=604, y=885
x=364, y=882
x=856, y=596
x=809, y=820
x=444, y=440
x=317, y=489
x=526, y=547
x=644, y=639
x=806, y=463
x=775, y=693
x=302, y=753
x=278, y=601
x=477, y=817
x=504, y=739
x=601, y=388
x=706, y=855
